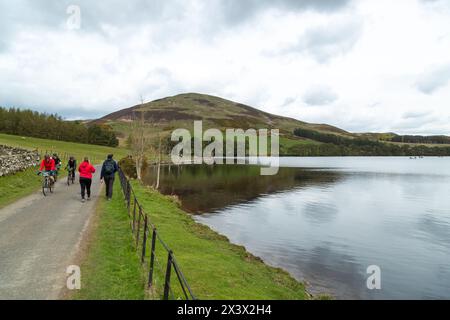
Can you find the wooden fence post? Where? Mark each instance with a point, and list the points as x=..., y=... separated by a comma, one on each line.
x=167, y=279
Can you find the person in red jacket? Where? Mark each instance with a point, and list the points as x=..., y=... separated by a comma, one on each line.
x=48, y=165
x=86, y=170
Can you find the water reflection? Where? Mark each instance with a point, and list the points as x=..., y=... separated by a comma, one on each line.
x=205, y=188
x=326, y=226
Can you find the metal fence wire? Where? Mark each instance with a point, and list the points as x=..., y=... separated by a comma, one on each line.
x=148, y=241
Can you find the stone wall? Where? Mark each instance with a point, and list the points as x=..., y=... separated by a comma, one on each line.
x=14, y=159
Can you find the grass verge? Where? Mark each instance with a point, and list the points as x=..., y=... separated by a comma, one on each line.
x=214, y=268
x=16, y=186
x=111, y=269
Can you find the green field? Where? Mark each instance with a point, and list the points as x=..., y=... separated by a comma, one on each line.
x=24, y=183
x=289, y=146
x=79, y=150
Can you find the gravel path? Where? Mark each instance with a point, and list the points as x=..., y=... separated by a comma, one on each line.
x=39, y=239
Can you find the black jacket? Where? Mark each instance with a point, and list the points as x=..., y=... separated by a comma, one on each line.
x=104, y=174
x=71, y=164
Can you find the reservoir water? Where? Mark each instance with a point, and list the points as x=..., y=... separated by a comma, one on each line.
x=326, y=220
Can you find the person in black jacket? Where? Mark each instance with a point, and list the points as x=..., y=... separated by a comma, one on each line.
x=57, y=164
x=107, y=175
x=71, y=166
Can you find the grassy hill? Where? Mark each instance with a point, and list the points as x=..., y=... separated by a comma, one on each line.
x=162, y=116
x=215, y=111
x=165, y=115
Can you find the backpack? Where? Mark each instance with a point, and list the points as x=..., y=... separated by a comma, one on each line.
x=110, y=167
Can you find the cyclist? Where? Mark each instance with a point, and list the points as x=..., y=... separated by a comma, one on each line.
x=48, y=165
x=57, y=164
x=71, y=167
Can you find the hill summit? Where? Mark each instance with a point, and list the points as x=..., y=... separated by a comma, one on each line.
x=216, y=112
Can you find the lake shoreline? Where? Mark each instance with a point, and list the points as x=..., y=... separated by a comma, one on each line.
x=231, y=272
x=309, y=288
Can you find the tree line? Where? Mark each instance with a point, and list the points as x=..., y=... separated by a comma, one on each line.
x=422, y=139
x=51, y=126
x=335, y=145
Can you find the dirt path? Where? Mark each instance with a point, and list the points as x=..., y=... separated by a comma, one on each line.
x=39, y=239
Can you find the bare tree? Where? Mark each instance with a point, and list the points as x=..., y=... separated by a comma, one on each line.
x=159, y=164
x=137, y=140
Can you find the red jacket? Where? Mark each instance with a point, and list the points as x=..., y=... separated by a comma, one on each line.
x=47, y=165
x=86, y=170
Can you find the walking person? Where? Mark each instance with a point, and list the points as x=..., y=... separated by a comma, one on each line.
x=86, y=170
x=108, y=173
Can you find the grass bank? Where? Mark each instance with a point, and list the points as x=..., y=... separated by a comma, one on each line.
x=214, y=268
x=110, y=268
x=24, y=183
x=16, y=186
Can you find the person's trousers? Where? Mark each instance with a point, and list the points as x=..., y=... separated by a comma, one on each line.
x=85, y=184
x=109, y=183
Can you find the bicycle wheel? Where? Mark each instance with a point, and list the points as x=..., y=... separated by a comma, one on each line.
x=44, y=186
x=68, y=179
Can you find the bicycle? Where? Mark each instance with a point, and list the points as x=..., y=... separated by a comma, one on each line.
x=71, y=176
x=47, y=183
x=55, y=176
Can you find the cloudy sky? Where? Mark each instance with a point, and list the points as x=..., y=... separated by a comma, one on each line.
x=361, y=65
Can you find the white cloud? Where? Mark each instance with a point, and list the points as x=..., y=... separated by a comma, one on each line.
x=329, y=41
x=434, y=79
x=319, y=96
x=367, y=63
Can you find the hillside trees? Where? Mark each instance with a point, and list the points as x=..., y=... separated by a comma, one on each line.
x=422, y=139
x=51, y=126
x=102, y=135
x=334, y=145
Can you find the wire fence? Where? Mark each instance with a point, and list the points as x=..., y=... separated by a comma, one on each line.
x=153, y=250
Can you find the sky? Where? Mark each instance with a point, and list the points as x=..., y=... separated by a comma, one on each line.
x=361, y=65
